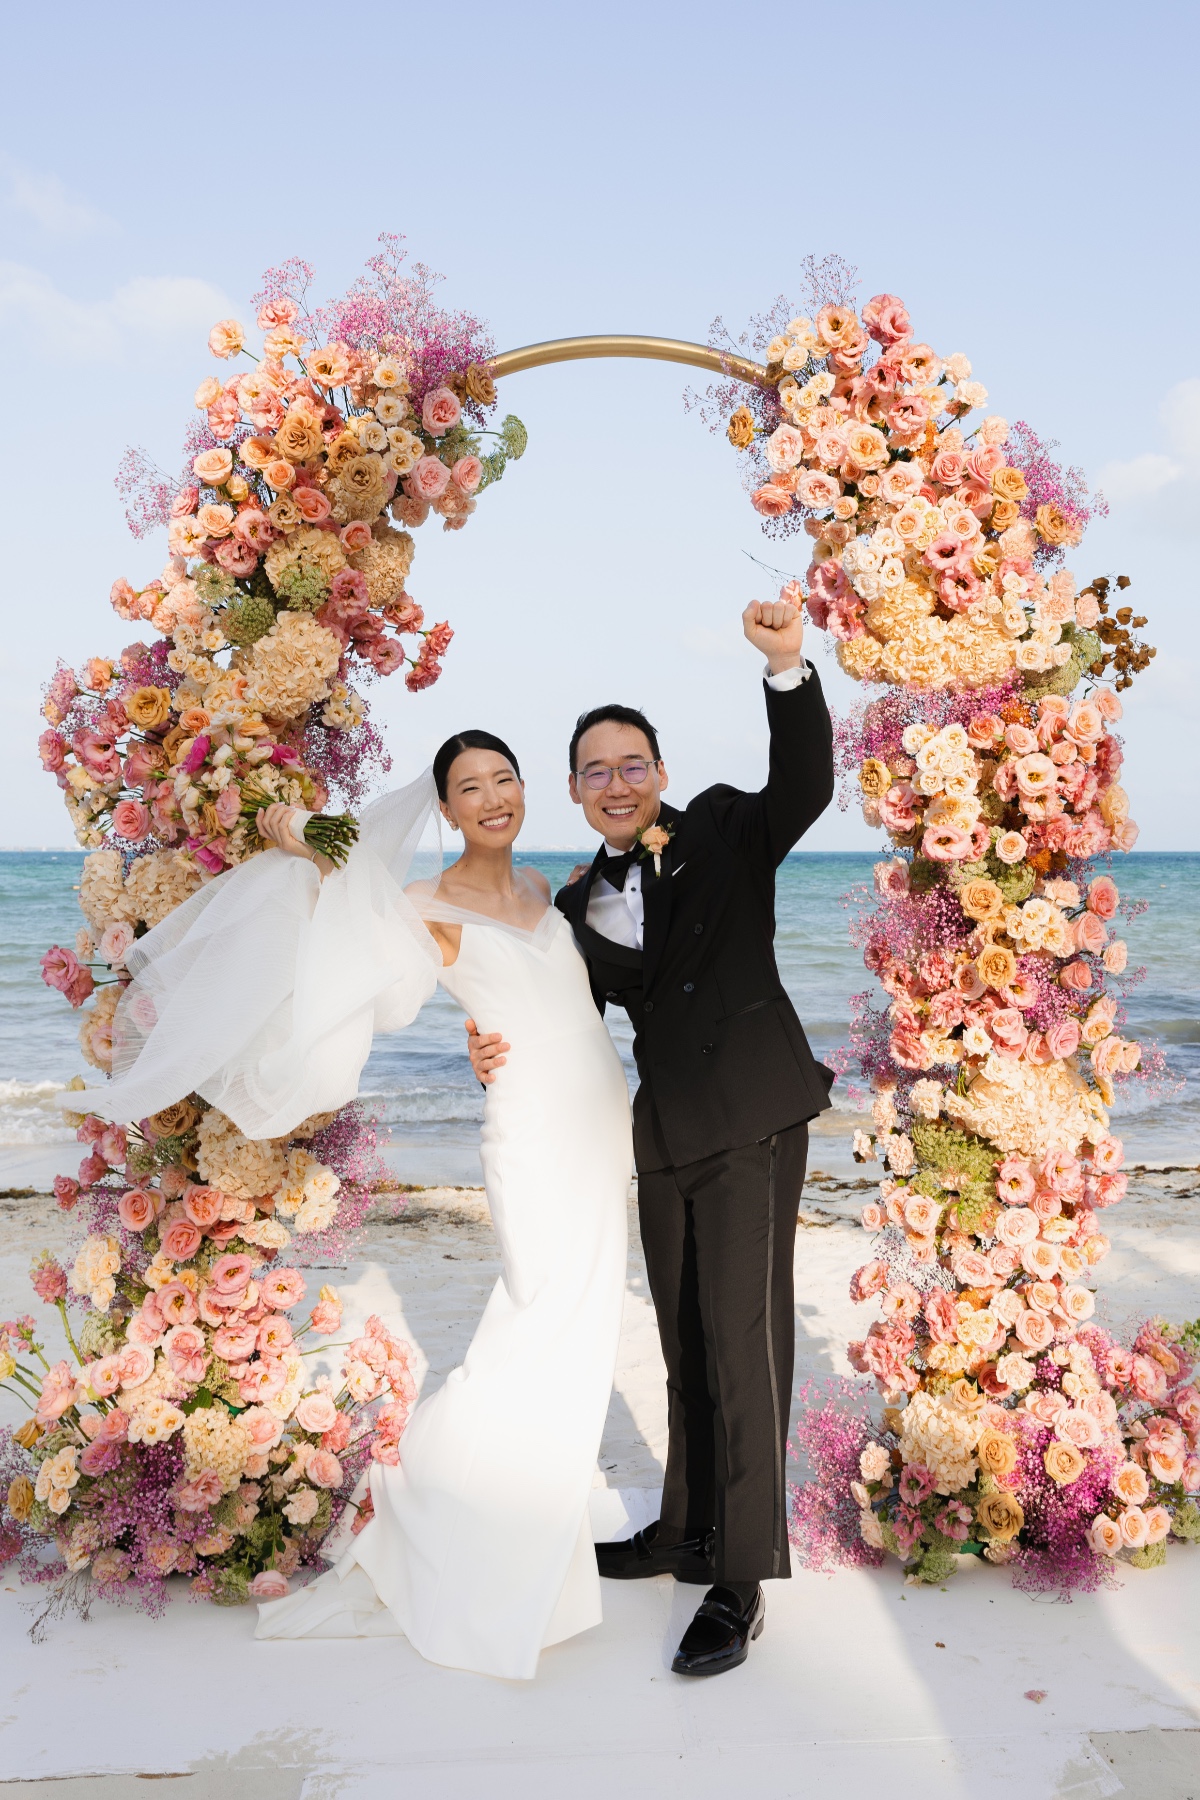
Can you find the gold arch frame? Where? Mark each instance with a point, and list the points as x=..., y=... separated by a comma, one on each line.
x=576, y=349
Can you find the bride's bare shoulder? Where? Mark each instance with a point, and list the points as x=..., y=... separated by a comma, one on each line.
x=539, y=883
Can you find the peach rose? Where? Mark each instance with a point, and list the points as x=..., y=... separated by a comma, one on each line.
x=997, y=1453
x=1011, y=847
x=136, y=1209
x=1063, y=1462
x=316, y=1413
x=1132, y=1522
x=1034, y=1330
x=1102, y=896
x=181, y=1240
x=1076, y=976
x=215, y=520
x=1104, y=1536
x=202, y=1205
x=324, y=1470
x=1088, y=933
x=213, y=467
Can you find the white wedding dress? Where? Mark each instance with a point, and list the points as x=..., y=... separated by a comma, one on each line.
x=480, y=1551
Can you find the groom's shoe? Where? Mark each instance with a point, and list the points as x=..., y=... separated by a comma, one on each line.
x=636, y=1558
x=720, y=1635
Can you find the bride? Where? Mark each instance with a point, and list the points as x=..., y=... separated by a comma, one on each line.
x=479, y=1550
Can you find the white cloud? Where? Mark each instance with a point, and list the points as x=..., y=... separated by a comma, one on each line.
x=1163, y=482
x=47, y=201
x=160, y=306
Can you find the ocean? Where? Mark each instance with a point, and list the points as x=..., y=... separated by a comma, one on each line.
x=419, y=1083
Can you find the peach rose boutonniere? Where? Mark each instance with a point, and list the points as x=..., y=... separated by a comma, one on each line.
x=654, y=840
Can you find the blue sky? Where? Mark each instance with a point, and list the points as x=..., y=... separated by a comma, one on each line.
x=1024, y=179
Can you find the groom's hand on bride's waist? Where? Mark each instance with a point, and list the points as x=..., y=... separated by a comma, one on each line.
x=486, y=1050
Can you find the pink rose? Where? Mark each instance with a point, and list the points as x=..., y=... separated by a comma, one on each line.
x=202, y=1204
x=1017, y=1227
x=1076, y=976
x=941, y=1316
x=440, y=412
x=268, y=1584
x=316, y=1413
x=136, y=1209
x=1102, y=897
x=324, y=1470
x=277, y=314
x=1062, y=1039
x=1035, y=1330
x=181, y=1240
x=186, y=1352
x=136, y=1365
x=1014, y=1181
x=131, y=820
x=428, y=479
x=115, y=943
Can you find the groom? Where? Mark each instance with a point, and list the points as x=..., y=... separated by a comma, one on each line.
x=676, y=917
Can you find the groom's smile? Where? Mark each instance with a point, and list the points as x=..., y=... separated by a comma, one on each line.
x=617, y=781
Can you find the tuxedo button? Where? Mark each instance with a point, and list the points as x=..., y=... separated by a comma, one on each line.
x=610, y=996
x=649, y=1006
x=689, y=987
x=698, y=929
x=706, y=1049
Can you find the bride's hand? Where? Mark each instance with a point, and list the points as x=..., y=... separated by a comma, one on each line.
x=275, y=827
x=486, y=1050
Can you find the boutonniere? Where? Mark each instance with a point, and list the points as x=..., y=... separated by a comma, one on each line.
x=654, y=840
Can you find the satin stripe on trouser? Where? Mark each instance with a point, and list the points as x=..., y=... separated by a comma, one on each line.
x=719, y=1237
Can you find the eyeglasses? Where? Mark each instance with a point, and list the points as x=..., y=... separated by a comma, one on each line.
x=632, y=773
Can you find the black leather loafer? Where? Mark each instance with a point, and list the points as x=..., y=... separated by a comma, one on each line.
x=638, y=1557
x=720, y=1635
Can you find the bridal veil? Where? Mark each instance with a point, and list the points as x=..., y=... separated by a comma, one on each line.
x=262, y=992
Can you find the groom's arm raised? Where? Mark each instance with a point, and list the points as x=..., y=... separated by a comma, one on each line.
x=800, y=771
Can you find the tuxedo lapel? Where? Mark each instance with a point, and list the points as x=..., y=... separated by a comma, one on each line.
x=656, y=899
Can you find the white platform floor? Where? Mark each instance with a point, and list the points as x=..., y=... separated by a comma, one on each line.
x=858, y=1686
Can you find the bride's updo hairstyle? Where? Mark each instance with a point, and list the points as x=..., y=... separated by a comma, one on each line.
x=468, y=740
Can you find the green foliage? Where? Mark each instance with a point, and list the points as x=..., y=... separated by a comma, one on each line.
x=1189, y=1337
x=1150, y=1556
x=231, y=1587
x=934, y=1562
x=514, y=436
x=1185, y=1521
x=250, y=617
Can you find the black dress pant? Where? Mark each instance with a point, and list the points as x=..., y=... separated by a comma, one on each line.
x=719, y=1237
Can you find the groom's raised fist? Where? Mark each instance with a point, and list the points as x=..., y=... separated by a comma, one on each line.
x=777, y=629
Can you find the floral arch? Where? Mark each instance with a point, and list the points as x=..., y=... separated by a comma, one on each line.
x=180, y=1437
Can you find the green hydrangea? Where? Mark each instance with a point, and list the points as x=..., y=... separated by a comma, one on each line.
x=1016, y=881
x=249, y=618
x=214, y=585
x=494, y=465
x=97, y=1336
x=962, y=1162
x=302, y=588
x=1150, y=1556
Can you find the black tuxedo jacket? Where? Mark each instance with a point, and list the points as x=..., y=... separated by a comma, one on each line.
x=722, y=1056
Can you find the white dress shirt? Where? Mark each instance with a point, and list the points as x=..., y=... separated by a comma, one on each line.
x=618, y=913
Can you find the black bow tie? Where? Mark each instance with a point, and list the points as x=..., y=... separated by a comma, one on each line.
x=616, y=868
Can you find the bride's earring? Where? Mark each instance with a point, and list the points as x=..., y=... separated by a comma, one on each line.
x=453, y=824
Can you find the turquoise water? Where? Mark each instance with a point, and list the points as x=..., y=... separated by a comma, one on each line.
x=420, y=1082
